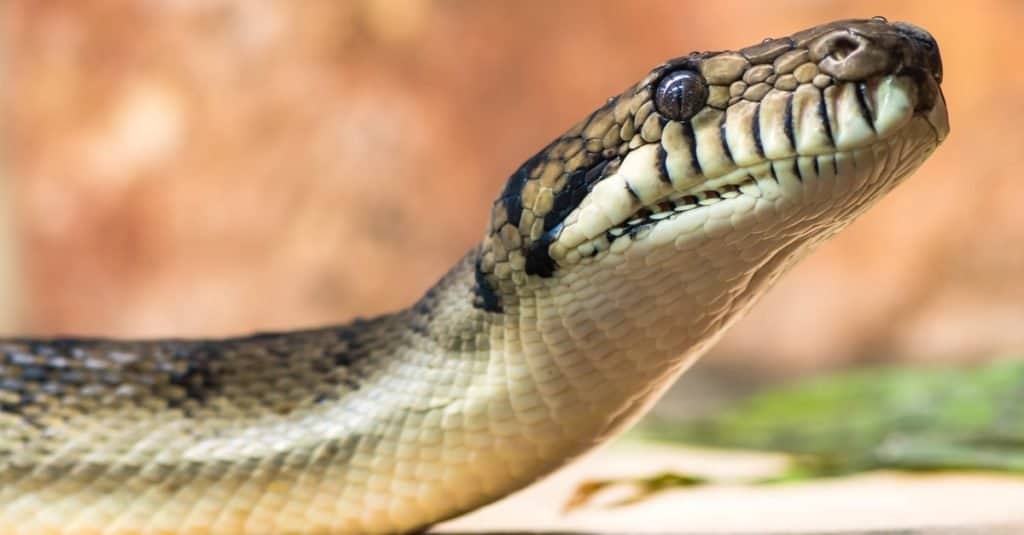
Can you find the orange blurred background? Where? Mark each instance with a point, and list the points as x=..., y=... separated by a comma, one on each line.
x=198, y=168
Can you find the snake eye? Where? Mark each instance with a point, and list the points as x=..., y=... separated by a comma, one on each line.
x=680, y=95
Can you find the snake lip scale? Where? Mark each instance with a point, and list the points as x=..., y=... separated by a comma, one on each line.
x=613, y=258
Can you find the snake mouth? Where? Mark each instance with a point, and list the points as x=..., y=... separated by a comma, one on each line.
x=767, y=180
x=678, y=204
x=799, y=136
x=891, y=107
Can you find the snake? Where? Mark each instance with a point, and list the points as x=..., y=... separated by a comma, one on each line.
x=613, y=258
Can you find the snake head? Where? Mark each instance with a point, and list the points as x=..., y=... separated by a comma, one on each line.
x=721, y=164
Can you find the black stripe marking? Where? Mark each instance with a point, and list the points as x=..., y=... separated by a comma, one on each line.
x=787, y=122
x=817, y=168
x=755, y=129
x=865, y=107
x=512, y=195
x=835, y=164
x=691, y=139
x=775, y=176
x=200, y=378
x=663, y=165
x=576, y=188
x=796, y=169
x=633, y=193
x=825, y=121
x=725, y=139
x=538, y=259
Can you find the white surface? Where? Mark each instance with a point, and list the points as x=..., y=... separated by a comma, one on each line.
x=876, y=501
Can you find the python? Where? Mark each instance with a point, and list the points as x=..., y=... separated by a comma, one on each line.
x=614, y=258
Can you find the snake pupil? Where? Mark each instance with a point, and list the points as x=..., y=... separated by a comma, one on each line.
x=680, y=95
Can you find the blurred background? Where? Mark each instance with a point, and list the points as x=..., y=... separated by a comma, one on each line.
x=216, y=167
x=176, y=167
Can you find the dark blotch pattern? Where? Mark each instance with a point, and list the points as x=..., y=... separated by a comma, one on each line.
x=538, y=260
x=579, y=184
x=70, y=378
x=511, y=196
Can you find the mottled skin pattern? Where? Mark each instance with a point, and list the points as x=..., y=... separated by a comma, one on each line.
x=614, y=258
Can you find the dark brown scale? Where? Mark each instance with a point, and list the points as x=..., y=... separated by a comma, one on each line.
x=768, y=50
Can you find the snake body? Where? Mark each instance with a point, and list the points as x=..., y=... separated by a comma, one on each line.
x=614, y=257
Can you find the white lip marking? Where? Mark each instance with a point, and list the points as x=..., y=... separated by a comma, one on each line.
x=640, y=170
x=851, y=128
x=895, y=104
x=811, y=134
x=773, y=131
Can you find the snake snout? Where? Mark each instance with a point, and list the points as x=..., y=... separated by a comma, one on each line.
x=858, y=50
x=923, y=51
x=923, y=62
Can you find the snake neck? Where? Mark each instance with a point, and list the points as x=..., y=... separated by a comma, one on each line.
x=585, y=357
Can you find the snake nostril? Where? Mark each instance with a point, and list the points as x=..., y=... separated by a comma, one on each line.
x=847, y=55
x=843, y=46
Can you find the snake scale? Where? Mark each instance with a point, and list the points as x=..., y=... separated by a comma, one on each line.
x=613, y=259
